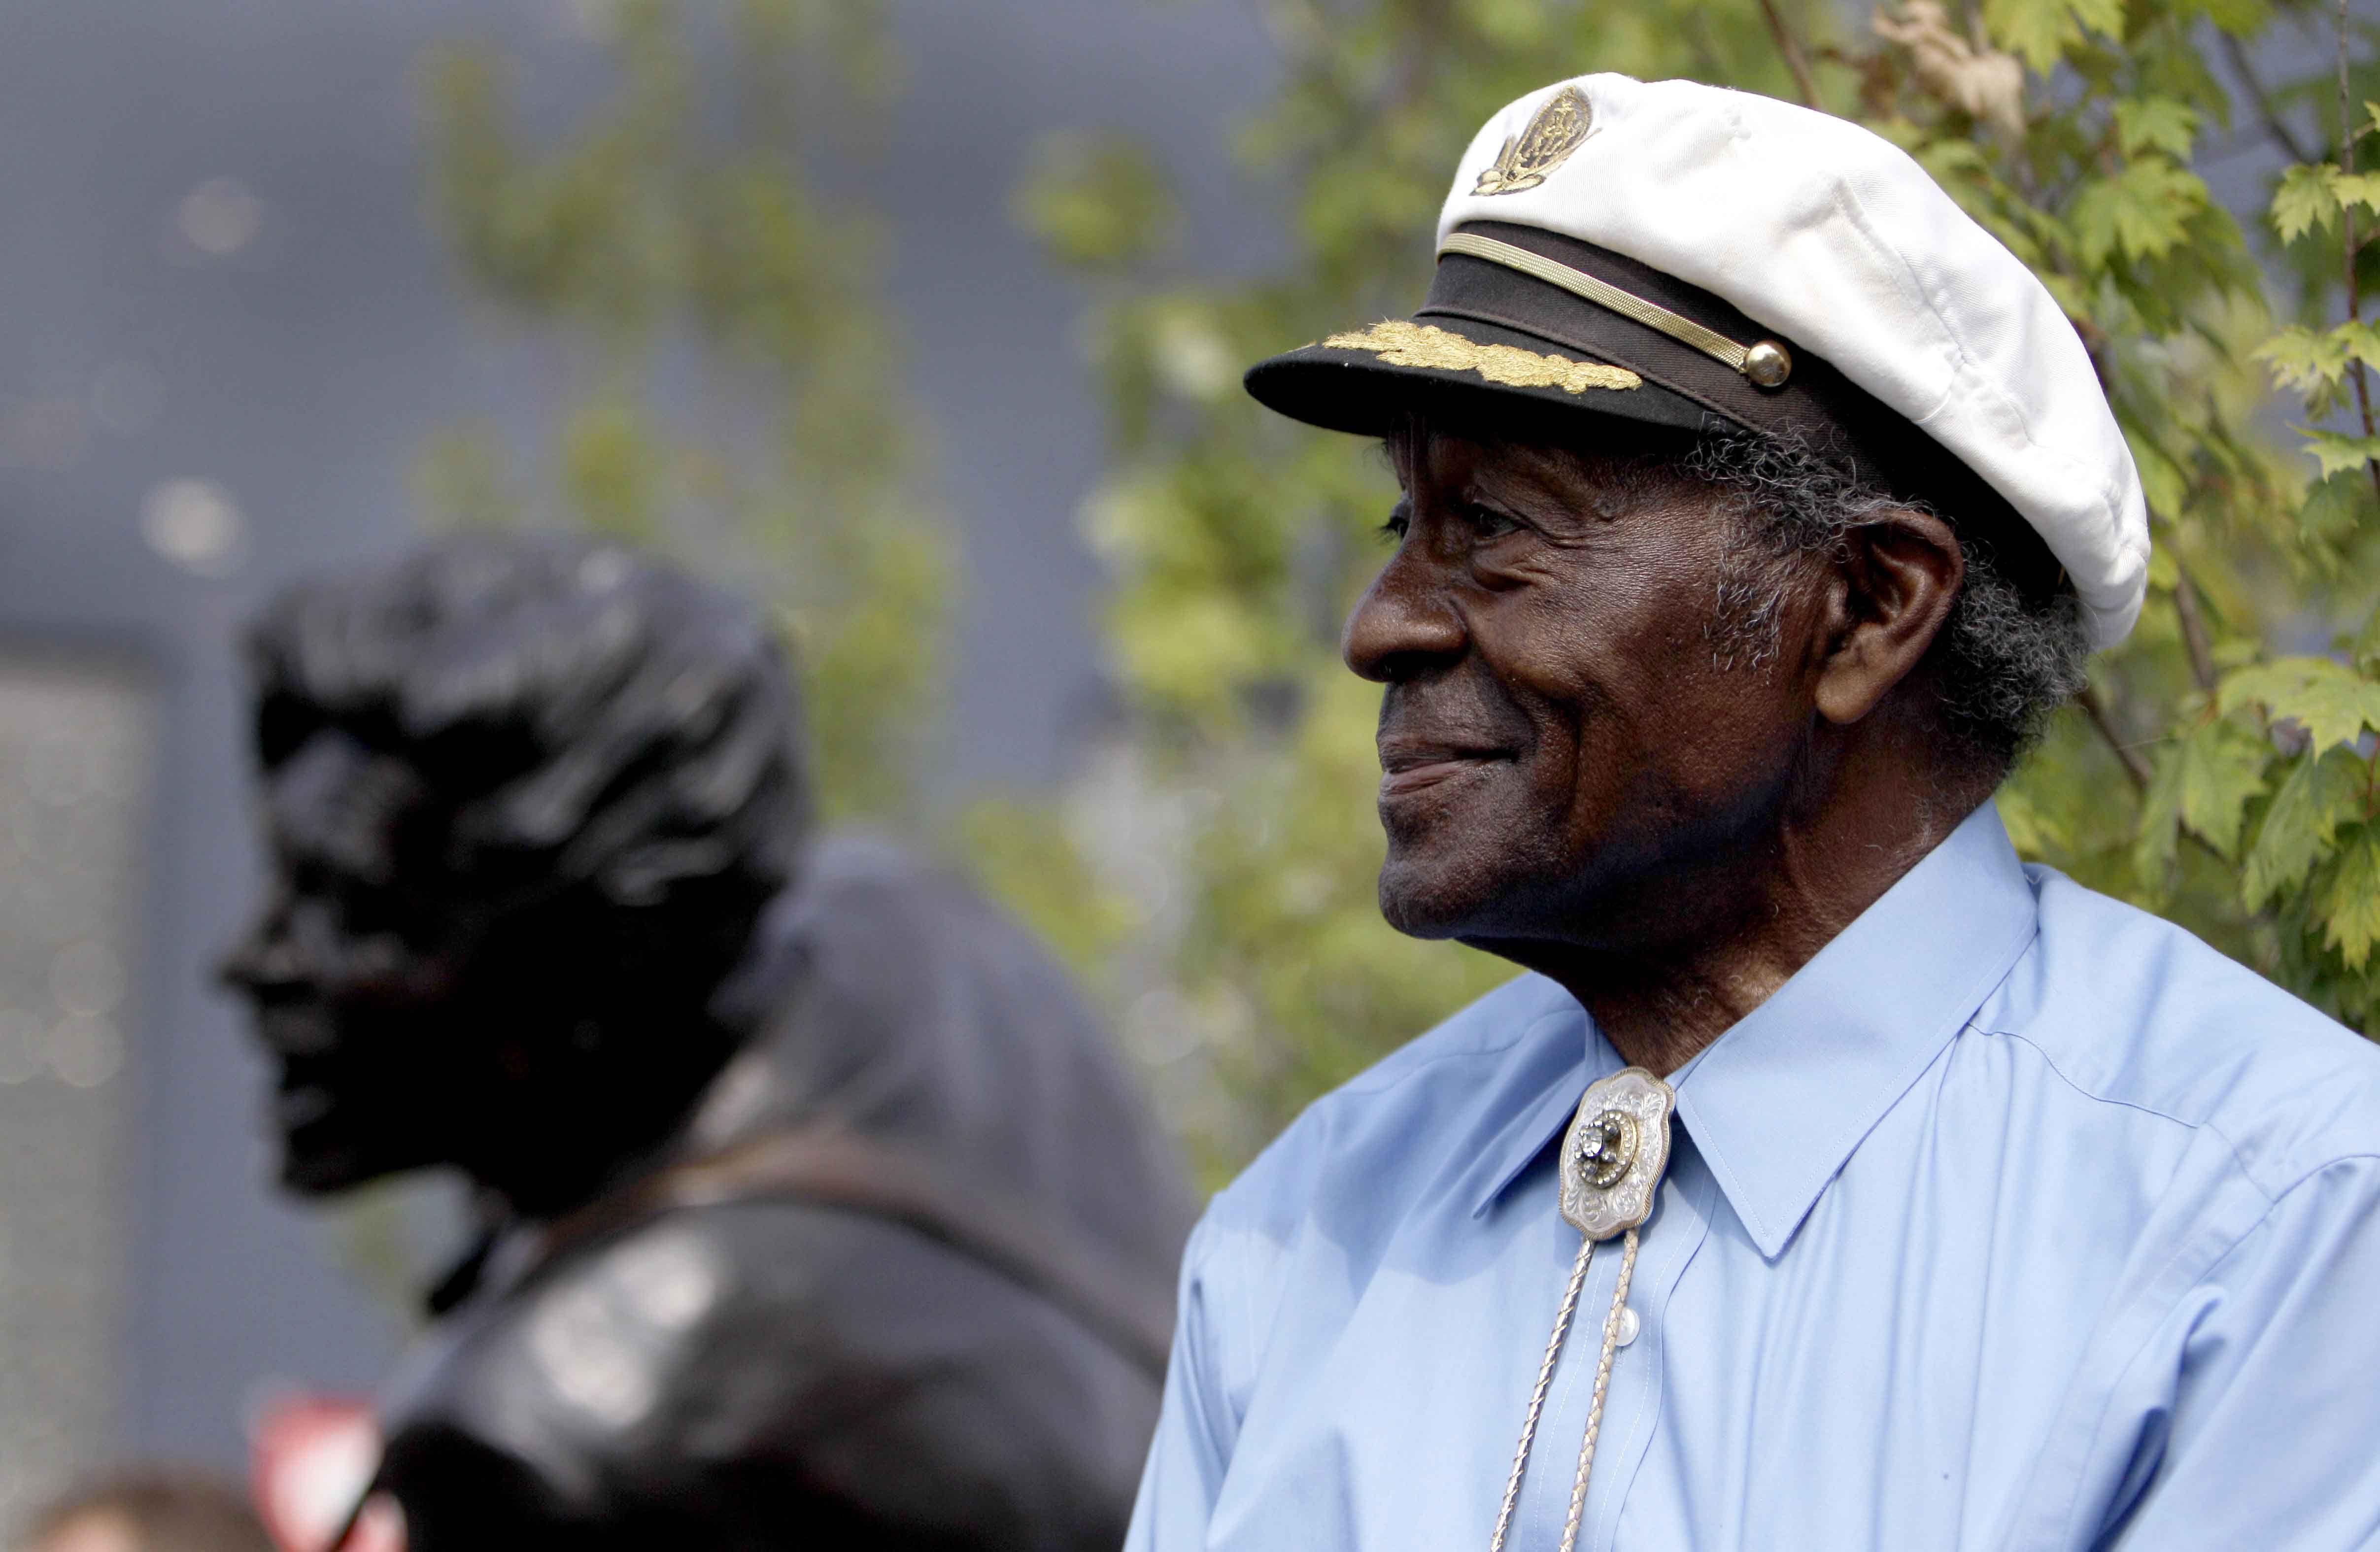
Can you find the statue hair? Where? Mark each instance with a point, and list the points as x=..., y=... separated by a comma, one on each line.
x=583, y=715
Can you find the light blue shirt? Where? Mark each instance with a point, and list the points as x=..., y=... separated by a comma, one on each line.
x=2016, y=1219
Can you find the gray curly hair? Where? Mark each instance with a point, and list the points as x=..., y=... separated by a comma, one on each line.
x=2006, y=659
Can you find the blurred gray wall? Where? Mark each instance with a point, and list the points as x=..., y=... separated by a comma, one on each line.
x=224, y=331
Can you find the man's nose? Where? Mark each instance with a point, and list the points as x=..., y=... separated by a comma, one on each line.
x=1404, y=625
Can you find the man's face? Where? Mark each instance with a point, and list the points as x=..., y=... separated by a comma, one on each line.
x=1569, y=726
x=353, y=973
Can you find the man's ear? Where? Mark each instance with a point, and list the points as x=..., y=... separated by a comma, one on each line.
x=1898, y=576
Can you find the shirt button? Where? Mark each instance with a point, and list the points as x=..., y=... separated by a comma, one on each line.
x=1627, y=1332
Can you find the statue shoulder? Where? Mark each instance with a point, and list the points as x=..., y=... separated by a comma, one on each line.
x=596, y=1347
x=751, y=1358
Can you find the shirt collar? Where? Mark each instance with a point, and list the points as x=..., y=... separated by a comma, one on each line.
x=1777, y=1105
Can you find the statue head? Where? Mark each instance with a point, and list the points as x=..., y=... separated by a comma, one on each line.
x=525, y=799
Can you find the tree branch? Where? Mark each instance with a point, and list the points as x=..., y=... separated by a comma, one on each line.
x=2136, y=765
x=2347, y=139
x=2193, y=632
x=1794, y=59
x=2274, y=125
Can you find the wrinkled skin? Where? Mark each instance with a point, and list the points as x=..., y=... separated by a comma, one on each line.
x=1585, y=774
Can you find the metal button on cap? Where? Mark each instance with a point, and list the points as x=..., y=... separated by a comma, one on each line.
x=1768, y=364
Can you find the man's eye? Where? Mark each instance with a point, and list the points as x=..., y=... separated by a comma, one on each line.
x=1486, y=523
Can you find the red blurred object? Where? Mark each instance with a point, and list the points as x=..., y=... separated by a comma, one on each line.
x=311, y=1457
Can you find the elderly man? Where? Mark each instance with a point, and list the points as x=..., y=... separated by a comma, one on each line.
x=821, y=1212
x=1833, y=1180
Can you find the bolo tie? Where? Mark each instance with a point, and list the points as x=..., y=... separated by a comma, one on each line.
x=1611, y=1162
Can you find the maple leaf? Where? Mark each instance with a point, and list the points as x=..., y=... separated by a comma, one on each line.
x=2202, y=780
x=2337, y=454
x=2352, y=905
x=2322, y=791
x=2155, y=123
x=2306, y=360
x=2039, y=31
x=2330, y=700
x=2143, y=212
x=2356, y=189
x=2305, y=201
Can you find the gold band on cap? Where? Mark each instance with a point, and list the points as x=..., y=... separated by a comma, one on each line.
x=1402, y=343
x=1765, y=362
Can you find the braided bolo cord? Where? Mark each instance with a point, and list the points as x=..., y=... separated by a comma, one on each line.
x=1544, y=1379
x=1602, y=1383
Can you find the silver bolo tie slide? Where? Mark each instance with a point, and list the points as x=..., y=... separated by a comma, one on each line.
x=1611, y=1162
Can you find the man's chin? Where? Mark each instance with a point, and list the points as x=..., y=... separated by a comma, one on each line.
x=1424, y=902
x=1486, y=903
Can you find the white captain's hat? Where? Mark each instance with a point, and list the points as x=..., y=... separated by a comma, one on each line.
x=1683, y=255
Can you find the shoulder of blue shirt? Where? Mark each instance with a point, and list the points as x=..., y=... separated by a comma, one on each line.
x=2134, y=1010
x=2129, y=1010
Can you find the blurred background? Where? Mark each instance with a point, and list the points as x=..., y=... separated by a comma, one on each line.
x=924, y=319
x=233, y=326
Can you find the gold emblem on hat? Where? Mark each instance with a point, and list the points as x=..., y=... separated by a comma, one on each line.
x=1400, y=343
x=1554, y=131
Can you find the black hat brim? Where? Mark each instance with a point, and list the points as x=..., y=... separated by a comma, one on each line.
x=1366, y=390
x=1475, y=306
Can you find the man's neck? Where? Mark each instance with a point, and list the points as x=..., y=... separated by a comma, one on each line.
x=1722, y=941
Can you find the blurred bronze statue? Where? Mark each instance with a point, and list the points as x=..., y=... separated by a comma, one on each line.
x=820, y=1211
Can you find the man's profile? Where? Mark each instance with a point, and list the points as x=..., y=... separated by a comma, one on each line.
x=1833, y=1179
x=819, y=1211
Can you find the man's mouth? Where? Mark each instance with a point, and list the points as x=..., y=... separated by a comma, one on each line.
x=1413, y=766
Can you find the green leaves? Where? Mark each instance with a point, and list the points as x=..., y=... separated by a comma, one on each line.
x=2325, y=789
x=2210, y=781
x=2321, y=792
x=2238, y=17
x=2150, y=124
x=2311, y=197
x=2339, y=454
x=2038, y=31
x=2352, y=903
x=2303, y=201
x=2329, y=701
x=2315, y=361
x=2203, y=781
x=2316, y=860
x=667, y=239
x=1097, y=201
x=2143, y=212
